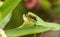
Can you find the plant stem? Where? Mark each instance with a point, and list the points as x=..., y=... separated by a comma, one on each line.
x=34, y=35
x=41, y=34
x=22, y=25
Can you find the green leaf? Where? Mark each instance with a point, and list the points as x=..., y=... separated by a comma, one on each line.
x=5, y=20
x=48, y=24
x=41, y=26
x=9, y=6
x=6, y=10
x=17, y=16
x=0, y=16
x=54, y=26
x=26, y=31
